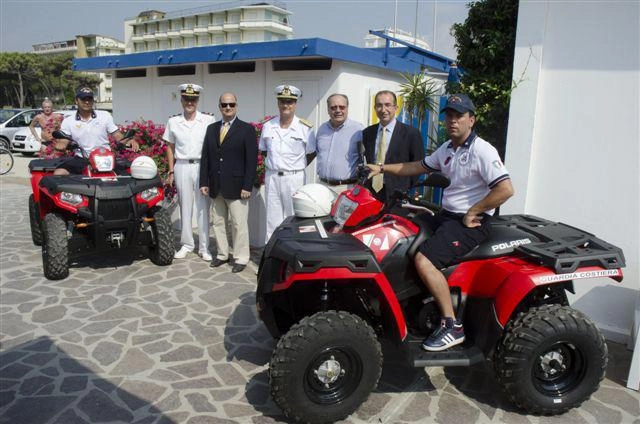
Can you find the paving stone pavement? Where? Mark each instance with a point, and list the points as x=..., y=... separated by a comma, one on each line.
x=124, y=341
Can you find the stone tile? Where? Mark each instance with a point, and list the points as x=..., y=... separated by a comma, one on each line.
x=101, y=408
x=134, y=361
x=107, y=353
x=200, y=403
x=182, y=353
x=74, y=384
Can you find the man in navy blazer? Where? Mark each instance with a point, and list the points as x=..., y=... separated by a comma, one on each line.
x=227, y=173
x=401, y=143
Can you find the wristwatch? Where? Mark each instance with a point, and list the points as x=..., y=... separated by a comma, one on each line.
x=381, y=165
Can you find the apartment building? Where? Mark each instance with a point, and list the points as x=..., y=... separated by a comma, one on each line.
x=90, y=45
x=222, y=23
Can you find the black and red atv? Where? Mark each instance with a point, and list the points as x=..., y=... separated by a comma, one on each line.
x=330, y=287
x=100, y=210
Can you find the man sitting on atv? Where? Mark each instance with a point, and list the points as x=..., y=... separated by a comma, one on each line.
x=479, y=184
x=90, y=129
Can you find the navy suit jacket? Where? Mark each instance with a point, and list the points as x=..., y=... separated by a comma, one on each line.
x=230, y=167
x=405, y=146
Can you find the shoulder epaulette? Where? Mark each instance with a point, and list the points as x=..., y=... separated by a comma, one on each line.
x=305, y=122
x=177, y=114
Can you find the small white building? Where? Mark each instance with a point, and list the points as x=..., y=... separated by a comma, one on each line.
x=573, y=146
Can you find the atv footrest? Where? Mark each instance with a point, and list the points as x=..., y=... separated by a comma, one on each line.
x=457, y=356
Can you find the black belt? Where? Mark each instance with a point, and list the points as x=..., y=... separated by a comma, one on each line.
x=194, y=160
x=338, y=182
x=283, y=173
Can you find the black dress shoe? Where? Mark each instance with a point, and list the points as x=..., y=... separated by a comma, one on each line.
x=217, y=262
x=238, y=268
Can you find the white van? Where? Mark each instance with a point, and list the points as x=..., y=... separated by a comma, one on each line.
x=12, y=120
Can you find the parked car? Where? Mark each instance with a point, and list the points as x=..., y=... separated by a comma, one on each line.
x=12, y=120
x=24, y=142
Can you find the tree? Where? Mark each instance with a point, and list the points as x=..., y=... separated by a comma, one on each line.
x=485, y=43
x=23, y=67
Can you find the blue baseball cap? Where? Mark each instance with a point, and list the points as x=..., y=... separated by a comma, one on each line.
x=84, y=93
x=460, y=103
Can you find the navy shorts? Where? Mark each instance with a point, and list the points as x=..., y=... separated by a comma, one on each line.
x=451, y=239
x=75, y=165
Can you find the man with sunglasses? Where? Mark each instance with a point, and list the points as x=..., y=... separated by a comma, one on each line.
x=338, y=145
x=227, y=171
x=90, y=129
x=184, y=135
x=289, y=144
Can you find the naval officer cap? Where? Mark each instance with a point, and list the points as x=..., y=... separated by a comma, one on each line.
x=190, y=90
x=285, y=91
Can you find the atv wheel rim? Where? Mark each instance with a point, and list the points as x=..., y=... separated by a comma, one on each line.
x=329, y=371
x=559, y=369
x=333, y=375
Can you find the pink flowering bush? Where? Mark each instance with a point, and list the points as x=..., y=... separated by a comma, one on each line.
x=260, y=166
x=148, y=135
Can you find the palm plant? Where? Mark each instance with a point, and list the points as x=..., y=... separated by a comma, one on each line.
x=420, y=93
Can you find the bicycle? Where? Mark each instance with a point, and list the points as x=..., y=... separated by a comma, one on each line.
x=6, y=160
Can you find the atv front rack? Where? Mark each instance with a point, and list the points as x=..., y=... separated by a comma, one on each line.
x=562, y=247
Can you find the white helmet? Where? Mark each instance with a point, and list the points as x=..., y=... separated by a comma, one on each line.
x=143, y=168
x=313, y=200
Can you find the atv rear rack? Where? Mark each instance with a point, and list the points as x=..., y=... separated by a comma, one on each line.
x=562, y=247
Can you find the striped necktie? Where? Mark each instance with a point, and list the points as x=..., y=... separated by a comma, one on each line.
x=224, y=131
x=382, y=152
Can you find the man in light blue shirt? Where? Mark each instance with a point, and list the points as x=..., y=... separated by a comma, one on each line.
x=337, y=146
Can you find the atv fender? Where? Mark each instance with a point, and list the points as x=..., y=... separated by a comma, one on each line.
x=346, y=275
x=510, y=280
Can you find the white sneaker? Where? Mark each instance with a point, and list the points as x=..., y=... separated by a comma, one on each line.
x=206, y=256
x=182, y=253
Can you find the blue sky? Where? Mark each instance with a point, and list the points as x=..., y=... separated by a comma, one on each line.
x=27, y=22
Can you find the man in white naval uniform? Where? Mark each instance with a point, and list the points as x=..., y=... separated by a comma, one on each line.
x=184, y=135
x=289, y=144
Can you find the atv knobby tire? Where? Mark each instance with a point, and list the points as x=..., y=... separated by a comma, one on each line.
x=325, y=367
x=34, y=221
x=55, y=248
x=551, y=359
x=161, y=252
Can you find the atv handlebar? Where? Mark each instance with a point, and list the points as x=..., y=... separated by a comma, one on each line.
x=73, y=145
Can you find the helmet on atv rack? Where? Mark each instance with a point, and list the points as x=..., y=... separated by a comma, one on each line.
x=313, y=200
x=143, y=168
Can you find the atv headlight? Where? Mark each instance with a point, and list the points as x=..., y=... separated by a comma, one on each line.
x=344, y=209
x=71, y=198
x=103, y=163
x=149, y=193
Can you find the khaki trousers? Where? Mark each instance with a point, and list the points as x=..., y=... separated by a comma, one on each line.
x=237, y=211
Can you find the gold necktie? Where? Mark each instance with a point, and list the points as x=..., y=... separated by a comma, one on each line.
x=223, y=132
x=382, y=152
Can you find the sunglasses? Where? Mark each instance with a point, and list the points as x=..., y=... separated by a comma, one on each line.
x=189, y=99
x=286, y=101
x=231, y=105
x=85, y=99
x=336, y=107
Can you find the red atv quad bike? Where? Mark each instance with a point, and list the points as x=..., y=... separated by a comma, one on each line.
x=330, y=287
x=100, y=210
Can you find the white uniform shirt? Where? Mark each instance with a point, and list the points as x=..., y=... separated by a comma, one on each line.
x=473, y=168
x=92, y=133
x=187, y=136
x=287, y=148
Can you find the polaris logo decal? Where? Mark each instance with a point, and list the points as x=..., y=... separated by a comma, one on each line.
x=509, y=245
x=579, y=275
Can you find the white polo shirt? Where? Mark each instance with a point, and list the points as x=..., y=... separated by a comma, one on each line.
x=287, y=147
x=187, y=136
x=92, y=133
x=473, y=168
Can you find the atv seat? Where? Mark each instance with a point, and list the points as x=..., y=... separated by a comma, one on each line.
x=502, y=241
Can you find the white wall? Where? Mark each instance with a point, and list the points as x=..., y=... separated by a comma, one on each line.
x=573, y=146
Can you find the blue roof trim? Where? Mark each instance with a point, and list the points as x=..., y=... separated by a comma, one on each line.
x=282, y=49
